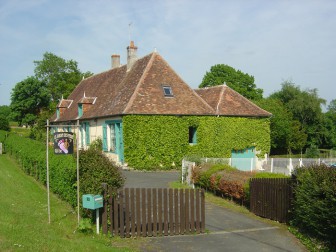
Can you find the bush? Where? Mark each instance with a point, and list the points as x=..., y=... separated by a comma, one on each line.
x=95, y=169
x=4, y=123
x=223, y=180
x=314, y=205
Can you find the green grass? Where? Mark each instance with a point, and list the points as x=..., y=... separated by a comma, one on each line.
x=24, y=219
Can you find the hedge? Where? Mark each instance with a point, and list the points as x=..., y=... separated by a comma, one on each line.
x=227, y=181
x=94, y=168
x=314, y=204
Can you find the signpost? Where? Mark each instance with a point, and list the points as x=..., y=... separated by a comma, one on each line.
x=63, y=145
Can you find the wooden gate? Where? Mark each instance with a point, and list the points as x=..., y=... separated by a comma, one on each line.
x=153, y=211
x=271, y=198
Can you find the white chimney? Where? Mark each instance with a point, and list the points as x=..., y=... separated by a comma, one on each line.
x=115, y=61
x=131, y=55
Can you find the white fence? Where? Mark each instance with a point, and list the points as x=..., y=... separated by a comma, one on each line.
x=273, y=165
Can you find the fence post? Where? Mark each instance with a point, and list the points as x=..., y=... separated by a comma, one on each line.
x=104, y=212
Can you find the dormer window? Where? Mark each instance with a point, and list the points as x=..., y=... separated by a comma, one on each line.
x=167, y=91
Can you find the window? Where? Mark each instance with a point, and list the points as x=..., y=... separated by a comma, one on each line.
x=57, y=113
x=167, y=91
x=192, y=135
x=112, y=143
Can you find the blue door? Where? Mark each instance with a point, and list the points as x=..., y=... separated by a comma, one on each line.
x=113, y=138
x=243, y=159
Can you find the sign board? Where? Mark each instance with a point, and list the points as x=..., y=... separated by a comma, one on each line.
x=63, y=143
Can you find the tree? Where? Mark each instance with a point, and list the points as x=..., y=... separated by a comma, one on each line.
x=5, y=110
x=330, y=126
x=61, y=76
x=28, y=98
x=237, y=80
x=286, y=133
x=305, y=107
x=4, y=123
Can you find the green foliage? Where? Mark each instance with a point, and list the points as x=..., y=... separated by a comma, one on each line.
x=61, y=76
x=165, y=140
x=312, y=152
x=286, y=132
x=28, y=98
x=315, y=203
x=85, y=226
x=5, y=111
x=4, y=123
x=305, y=107
x=237, y=80
x=95, y=169
x=31, y=155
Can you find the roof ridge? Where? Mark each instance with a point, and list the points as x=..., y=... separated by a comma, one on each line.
x=221, y=94
x=149, y=65
x=250, y=102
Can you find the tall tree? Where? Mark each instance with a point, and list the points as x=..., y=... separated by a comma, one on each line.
x=61, y=76
x=286, y=133
x=237, y=80
x=305, y=107
x=28, y=98
x=330, y=126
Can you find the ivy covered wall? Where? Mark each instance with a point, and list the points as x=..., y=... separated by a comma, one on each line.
x=161, y=142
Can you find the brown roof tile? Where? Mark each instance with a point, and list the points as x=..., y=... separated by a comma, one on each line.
x=225, y=101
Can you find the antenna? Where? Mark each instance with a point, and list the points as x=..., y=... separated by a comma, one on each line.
x=129, y=31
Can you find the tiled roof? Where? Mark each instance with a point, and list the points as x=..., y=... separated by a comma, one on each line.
x=137, y=91
x=227, y=102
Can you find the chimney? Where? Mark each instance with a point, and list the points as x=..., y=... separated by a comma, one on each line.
x=115, y=61
x=131, y=55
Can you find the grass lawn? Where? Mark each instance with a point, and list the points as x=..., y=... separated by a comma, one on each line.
x=24, y=219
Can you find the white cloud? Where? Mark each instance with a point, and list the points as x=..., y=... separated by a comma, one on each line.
x=271, y=40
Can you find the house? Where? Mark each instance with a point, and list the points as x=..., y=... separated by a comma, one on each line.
x=148, y=117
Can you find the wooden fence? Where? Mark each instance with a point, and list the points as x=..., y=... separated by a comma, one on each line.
x=271, y=198
x=153, y=212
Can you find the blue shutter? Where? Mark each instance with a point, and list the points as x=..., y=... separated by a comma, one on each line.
x=194, y=138
x=104, y=137
x=80, y=110
x=87, y=131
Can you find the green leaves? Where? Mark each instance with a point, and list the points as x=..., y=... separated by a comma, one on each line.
x=161, y=142
x=28, y=98
x=237, y=80
x=314, y=204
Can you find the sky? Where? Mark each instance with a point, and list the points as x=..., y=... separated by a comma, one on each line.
x=274, y=41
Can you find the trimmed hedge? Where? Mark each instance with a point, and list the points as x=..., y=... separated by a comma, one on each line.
x=161, y=142
x=314, y=205
x=94, y=168
x=227, y=181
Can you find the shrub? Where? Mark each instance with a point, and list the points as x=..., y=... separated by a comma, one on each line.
x=95, y=169
x=4, y=123
x=315, y=203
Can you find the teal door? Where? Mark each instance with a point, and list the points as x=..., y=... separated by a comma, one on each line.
x=113, y=138
x=244, y=159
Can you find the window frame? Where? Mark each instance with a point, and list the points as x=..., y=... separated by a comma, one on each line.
x=169, y=89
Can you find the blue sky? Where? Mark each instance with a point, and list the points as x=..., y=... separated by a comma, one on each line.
x=272, y=40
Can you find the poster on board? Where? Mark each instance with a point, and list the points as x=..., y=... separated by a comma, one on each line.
x=63, y=143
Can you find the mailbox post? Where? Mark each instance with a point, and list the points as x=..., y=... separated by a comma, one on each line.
x=93, y=202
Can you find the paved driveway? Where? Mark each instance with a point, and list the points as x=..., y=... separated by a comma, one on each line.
x=228, y=230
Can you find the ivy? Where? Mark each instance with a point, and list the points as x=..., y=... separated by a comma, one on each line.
x=161, y=142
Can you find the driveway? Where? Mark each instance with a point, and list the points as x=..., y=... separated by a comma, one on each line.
x=228, y=230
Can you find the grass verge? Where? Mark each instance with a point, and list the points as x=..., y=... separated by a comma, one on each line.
x=24, y=220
